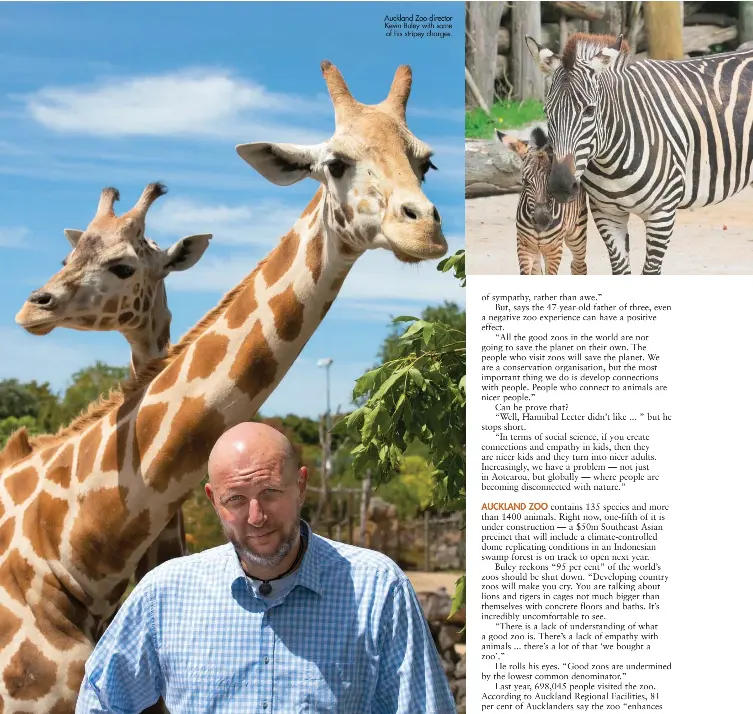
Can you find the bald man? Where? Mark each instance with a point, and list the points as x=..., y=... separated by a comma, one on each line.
x=279, y=620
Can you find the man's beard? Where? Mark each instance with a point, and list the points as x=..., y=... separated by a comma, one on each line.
x=266, y=561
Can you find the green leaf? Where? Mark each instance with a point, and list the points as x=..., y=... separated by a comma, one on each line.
x=417, y=377
x=458, y=599
x=404, y=318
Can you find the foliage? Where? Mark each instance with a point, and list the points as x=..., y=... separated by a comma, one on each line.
x=448, y=314
x=306, y=430
x=86, y=385
x=417, y=396
x=456, y=263
x=11, y=424
x=29, y=399
x=411, y=490
x=507, y=115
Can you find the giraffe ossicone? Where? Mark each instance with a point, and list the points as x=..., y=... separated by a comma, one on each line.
x=79, y=509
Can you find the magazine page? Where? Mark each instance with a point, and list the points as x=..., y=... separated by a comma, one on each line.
x=608, y=433
x=232, y=364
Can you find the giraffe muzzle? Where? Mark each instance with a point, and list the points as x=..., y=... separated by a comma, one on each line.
x=36, y=315
x=414, y=231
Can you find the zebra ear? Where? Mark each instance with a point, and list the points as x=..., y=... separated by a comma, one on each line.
x=607, y=56
x=547, y=60
x=516, y=145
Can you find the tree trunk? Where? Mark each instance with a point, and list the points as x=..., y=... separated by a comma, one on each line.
x=490, y=169
x=664, y=29
x=746, y=21
x=527, y=79
x=611, y=23
x=482, y=23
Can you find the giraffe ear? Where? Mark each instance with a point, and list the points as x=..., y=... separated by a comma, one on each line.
x=282, y=164
x=72, y=235
x=185, y=253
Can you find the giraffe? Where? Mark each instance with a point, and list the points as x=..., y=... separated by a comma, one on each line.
x=79, y=508
x=114, y=279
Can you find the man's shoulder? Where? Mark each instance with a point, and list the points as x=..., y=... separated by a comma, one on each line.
x=362, y=563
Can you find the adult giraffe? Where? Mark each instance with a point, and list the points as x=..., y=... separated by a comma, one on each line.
x=114, y=279
x=80, y=510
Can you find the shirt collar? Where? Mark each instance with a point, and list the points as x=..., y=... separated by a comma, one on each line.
x=309, y=571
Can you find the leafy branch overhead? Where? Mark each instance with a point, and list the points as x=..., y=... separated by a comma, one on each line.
x=417, y=394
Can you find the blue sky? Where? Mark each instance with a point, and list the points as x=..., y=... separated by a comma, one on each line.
x=123, y=94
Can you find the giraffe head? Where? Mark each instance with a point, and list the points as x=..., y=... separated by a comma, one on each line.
x=372, y=169
x=113, y=277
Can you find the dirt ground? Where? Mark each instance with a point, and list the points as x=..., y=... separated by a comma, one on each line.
x=712, y=240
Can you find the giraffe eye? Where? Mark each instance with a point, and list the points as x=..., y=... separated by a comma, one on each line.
x=122, y=271
x=425, y=167
x=337, y=168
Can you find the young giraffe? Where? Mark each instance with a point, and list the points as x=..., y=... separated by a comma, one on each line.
x=114, y=279
x=78, y=512
x=542, y=223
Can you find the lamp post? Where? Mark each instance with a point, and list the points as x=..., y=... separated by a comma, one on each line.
x=326, y=363
x=325, y=440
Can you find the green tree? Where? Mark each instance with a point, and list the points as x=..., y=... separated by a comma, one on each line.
x=29, y=399
x=87, y=385
x=418, y=395
x=11, y=424
x=449, y=313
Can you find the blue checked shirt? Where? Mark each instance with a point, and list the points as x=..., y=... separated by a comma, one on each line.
x=349, y=637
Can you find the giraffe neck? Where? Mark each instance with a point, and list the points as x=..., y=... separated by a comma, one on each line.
x=151, y=341
x=134, y=467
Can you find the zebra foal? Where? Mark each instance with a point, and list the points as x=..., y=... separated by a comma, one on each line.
x=646, y=137
x=543, y=224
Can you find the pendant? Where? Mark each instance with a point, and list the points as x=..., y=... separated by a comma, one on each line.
x=265, y=588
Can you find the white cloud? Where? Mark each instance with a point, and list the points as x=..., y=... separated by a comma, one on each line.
x=14, y=237
x=188, y=103
x=263, y=224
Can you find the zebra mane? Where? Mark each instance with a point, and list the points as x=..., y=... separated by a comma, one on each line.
x=582, y=46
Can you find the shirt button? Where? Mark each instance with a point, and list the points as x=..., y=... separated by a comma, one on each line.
x=266, y=660
x=264, y=705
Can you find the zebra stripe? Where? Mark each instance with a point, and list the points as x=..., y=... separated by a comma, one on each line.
x=646, y=137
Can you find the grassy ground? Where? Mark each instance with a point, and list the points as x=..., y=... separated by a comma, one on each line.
x=508, y=115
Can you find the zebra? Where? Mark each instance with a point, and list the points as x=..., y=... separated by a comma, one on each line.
x=542, y=223
x=646, y=137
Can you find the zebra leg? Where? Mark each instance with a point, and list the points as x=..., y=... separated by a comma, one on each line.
x=659, y=227
x=528, y=257
x=552, y=256
x=576, y=242
x=613, y=230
